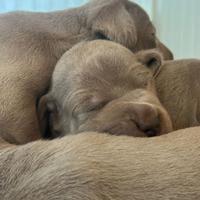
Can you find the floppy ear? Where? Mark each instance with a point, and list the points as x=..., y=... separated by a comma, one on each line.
x=110, y=20
x=151, y=59
x=44, y=110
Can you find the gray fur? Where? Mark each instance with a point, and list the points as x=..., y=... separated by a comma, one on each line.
x=93, y=166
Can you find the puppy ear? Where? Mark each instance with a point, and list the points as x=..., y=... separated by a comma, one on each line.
x=110, y=20
x=151, y=59
x=44, y=110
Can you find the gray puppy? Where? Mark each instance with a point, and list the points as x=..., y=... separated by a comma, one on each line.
x=178, y=87
x=102, y=86
x=32, y=43
x=91, y=166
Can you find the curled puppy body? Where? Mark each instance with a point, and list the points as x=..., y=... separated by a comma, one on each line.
x=96, y=166
x=178, y=86
x=102, y=86
x=31, y=44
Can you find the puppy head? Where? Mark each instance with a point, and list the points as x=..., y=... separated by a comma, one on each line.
x=121, y=21
x=102, y=86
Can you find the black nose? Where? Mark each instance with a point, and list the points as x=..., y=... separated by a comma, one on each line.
x=151, y=132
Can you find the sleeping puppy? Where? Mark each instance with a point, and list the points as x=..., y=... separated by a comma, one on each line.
x=178, y=87
x=32, y=43
x=92, y=166
x=102, y=86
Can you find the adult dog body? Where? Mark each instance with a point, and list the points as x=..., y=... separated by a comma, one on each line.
x=97, y=166
x=31, y=44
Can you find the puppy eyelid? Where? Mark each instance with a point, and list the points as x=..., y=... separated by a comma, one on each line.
x=81, y=108
x=95, y=107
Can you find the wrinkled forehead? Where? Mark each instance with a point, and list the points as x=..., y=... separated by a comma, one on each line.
x=111, y=78
x=99, y=67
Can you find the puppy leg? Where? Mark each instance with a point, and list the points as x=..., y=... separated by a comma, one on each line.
x=19, y=122
x=4, y=144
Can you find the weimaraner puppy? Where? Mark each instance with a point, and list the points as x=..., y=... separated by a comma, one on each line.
x=178, y=87
x=32, y=43
x=93, y=166
x=102, y=86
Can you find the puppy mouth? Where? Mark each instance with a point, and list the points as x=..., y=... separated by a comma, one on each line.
x=133, y=130
x=127, y=128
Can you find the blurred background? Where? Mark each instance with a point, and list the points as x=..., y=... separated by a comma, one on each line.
x=177, y=21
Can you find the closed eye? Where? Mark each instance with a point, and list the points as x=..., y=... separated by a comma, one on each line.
x=95, y=107
x=83, y=108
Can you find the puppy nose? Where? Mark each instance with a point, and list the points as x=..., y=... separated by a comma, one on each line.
x=151, y=132
x=147, y=119
x=151, y=128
